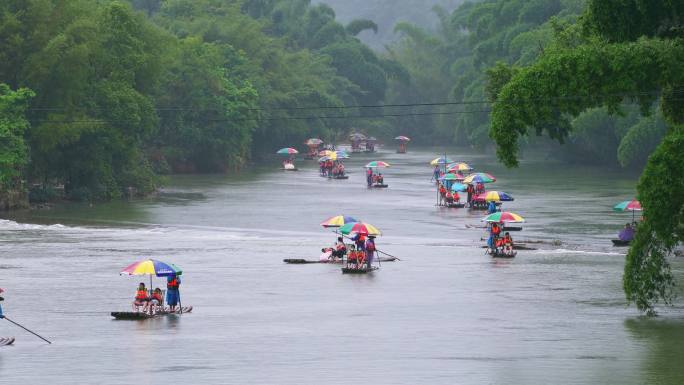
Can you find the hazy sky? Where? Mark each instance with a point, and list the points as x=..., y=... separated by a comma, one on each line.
x=386, y=13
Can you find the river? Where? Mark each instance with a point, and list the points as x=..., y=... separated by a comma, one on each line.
x=445, y=314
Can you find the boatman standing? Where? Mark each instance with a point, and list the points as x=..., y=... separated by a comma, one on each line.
x=172, y=294
x=1, y=299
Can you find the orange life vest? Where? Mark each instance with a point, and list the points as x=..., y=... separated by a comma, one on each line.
x=172, y=284
x=141, y=294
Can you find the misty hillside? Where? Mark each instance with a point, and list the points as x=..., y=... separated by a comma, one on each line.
x=386, y=13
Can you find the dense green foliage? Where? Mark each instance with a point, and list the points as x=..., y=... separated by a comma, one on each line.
x=627, y=51
x=125, y=90
x=13, y=151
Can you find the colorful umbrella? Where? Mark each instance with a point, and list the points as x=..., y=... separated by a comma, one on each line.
x=504, y=216
x=403, y=138
x=450, y=177
x=313, y=142
x=633, y=205
x=377, y=164
x=152, y=267
x=458, y=187
x=359, y=228
x=333, y=155
x=497, y=196
x=287, y=151
x=338, y=221
x=441, y=161
x=357, y=136
x=479, y=177
x=459, y=167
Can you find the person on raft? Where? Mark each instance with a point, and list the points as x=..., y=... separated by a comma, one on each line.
x=157, y=299
x=172, y=294
x=470, y=189
x=494, y=232
x=627, y=233
x=508, y=243
x=1, y=299
x=449, y=198
x=370, y=250
x=380, y=181
x=369, y=176
x=141, y=298
x=436, y=173
x=491, y=208
x=340, y=249
x=442, y=194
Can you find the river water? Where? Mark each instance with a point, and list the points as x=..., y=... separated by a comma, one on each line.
x=445, y=314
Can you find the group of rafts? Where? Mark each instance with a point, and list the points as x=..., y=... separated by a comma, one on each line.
x=455, y=178
x=354, y=249
x=331, y=161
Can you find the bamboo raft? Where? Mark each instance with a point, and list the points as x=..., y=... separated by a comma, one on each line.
x=139, y=315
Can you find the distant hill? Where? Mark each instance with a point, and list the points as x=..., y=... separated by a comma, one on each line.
x=387, y=13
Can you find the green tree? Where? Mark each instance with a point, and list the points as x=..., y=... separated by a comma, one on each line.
x=13, y=124
x=632, y=53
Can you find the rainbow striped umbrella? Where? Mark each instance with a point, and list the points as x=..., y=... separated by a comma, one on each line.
x=313, y=142
x=334, y=155
x=479, y=177
x=504, y=216
x=152, y=267
x=403, y=138
x=359, y=228
x=377, y=164
x=338, y=221
x=450, y=177
x=441, y=161
x=498, y=196
x=633, y=205
x=287, y=151
x=459, y=167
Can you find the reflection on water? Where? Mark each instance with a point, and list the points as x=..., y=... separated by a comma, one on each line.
x=663, y=345
x=445, y=314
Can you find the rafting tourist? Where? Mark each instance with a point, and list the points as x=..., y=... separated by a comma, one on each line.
x=157, y=299
x=494, y=232
x=479, y=188
x=141, y=298
x=380, y=181
x=627, y=233
x=340, y=169
x=370, y=250
x=442, y=194
x=470, y=189
x=449, y=198
x=491, y=208
x=340, y=249
x=172, y=294
x=321, y=166
x=508, y=243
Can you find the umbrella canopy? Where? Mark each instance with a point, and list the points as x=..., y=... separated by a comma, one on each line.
x=633, y=205
x=459, y=167
x=287, y=151
x=450, y=177
x=357, y=136
x=441, y=161
x=377, y=164
x=333, y=155
x=498, y=196
x=313, y=142
x=458, y=187
x=359, y=228
x=479, y=177
x=337, y=221
x=152, y=267
x=372, y=139
x=504, y=216
x=403, y=138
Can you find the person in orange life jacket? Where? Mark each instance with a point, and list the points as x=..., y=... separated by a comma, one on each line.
x=340, y=169
x=340, y=248
x=141, y=297
x=456, y=197
x=494, y=232
x=479, y=188
x=156, y=298
x=449, y=197
x=370, y=250
x=172, y=294
x=442, y=193
x=470, y=189
x=508, y=242
x=380, y=180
